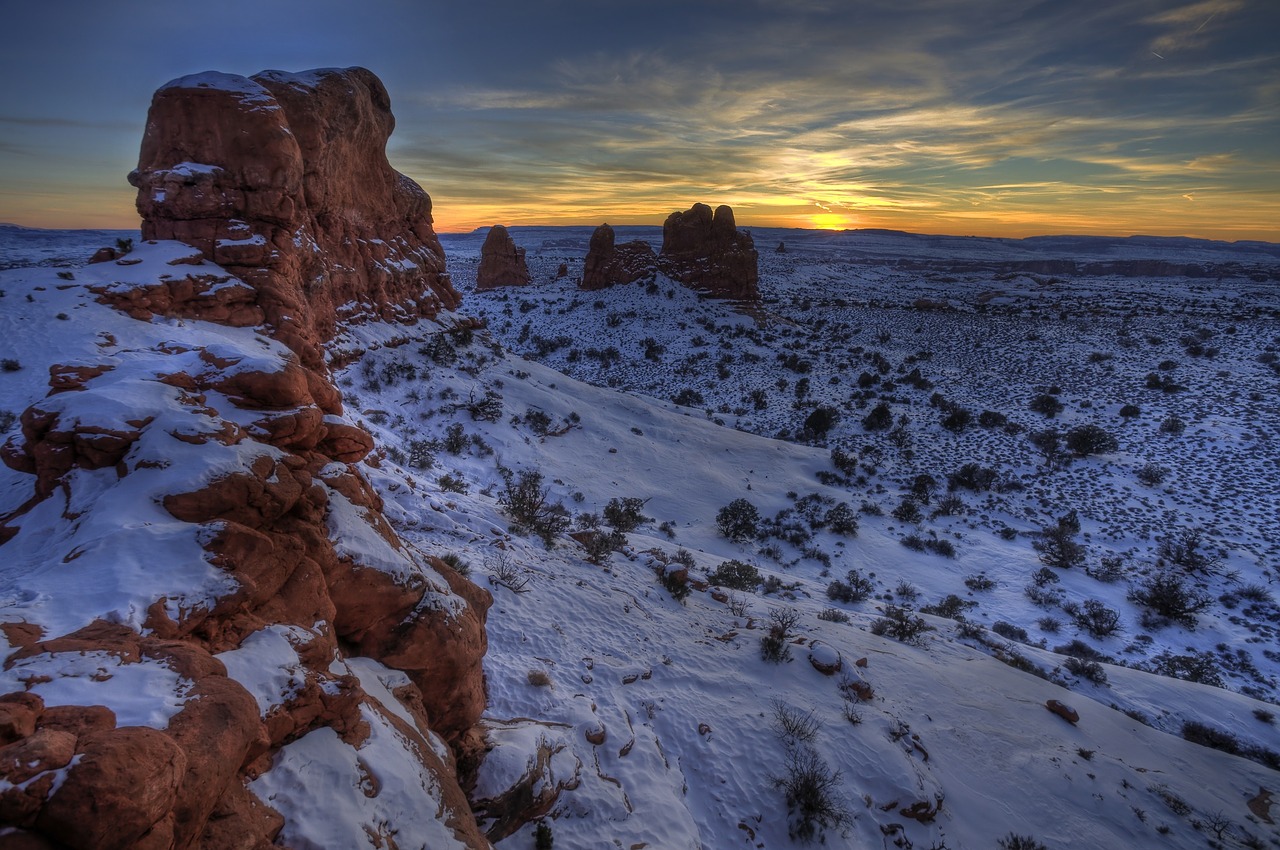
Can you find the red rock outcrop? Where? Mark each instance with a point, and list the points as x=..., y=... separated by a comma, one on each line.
x=229, y=465
x=283, y=180
x=608, y=264
x=502, y=262
x=708, y=252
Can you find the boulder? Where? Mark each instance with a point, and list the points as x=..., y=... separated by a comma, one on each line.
x=502, y=262
x=1063, y=710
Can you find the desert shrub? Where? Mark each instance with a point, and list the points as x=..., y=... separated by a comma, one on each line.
x=972, y=476
x=820, y=421
x=1010, y=631
x=811, y=788
x=542, y=838
x=914, y=542
x=951, y=606
x=950, y=505
x=941, y=546
x=870, y=509
x=1056, y=544
x=676, y=581
x=1089, y=670
x=1044, y=577
x=1013, y=841
x=736, y=575
x=979, y=582
x=773, y=644
x=1186, y=548
x=841, y=519
x=879, y=419
x=738, y=520
x=794, y=725
x=455, y=439
x=689, y=397
x=1045, y=597
x=1087, y=440
x=625, y=514
x=901, y=624
x=1046, y=404
x=1049, y=443
x=455, y=562
x=1152, y=474
x=7, y=418
x=833, y=615
x=422, y=453
x=992, y=419
x=1110, y=569
x=1173, y=424
x=1130, y=411
x=957, y=420
x=530, y=505
x=600, y=544
x=451, y=483
x=855, y=588
x=1097, y=619
x=908, y=510
x=1219, y=739
x=487, y=409
x=1199, y=667
x=1169, y=596
x=923, y=487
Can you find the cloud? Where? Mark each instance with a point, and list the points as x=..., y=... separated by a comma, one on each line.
x=1190, y=27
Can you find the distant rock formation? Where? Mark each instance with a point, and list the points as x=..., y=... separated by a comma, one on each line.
x=233, y=529
x=707, y=252
x=502, y=263
x=608, y=264
x=781, y=249
x=283, y=180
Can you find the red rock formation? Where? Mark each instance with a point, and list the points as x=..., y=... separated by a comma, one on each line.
x=707, y=252
x=283, y=180
x=239, y=448
x=501, y=261
x=608, y=264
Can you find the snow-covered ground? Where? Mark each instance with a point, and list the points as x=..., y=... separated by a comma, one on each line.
x=660, y=718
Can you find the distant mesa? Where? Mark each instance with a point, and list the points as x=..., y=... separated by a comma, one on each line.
x=283, y=180
x=703, y=250
x=609, y=264
x=708, y=252
x=502, y=262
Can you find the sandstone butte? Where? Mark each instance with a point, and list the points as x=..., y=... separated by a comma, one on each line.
x=502, y=263
x=700, y=249
x=243, y=451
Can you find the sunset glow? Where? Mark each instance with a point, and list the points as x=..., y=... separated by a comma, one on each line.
x=990, y=118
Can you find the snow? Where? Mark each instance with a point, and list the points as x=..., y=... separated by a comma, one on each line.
x=679, y=691
x=267, y=664
x=141, y=693
x=335, y=795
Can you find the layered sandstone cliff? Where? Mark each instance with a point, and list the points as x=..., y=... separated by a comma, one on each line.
x=216, y=628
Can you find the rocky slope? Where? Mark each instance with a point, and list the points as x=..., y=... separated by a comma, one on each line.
x=212, y=624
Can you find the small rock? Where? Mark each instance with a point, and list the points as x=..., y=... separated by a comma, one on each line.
x=1063, y=710
x=825, y=659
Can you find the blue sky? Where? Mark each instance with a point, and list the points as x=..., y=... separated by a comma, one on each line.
x=983, y=117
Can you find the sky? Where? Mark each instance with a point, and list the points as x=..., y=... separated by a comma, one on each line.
x=983, y=117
